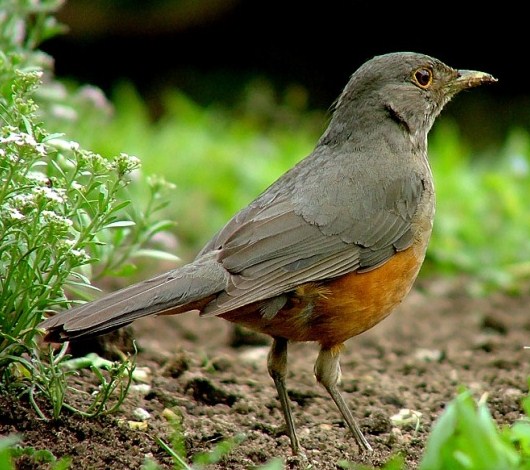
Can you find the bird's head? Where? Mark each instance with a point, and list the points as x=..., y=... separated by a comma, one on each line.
x=410, y=88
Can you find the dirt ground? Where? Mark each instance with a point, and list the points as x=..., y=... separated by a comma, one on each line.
x=217, y=381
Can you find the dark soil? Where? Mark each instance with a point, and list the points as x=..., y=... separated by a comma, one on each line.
x=217, y=382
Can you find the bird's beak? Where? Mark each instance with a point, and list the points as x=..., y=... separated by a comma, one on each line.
x=470, y=79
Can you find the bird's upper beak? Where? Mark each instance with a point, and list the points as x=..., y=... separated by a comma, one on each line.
x=470, y=79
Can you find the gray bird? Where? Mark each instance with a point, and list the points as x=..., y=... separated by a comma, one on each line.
x=329, y=249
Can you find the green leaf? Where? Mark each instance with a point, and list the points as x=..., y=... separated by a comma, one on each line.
x=6, y=444
x=120, y=223
x=156, y=254
x=465, y=437
x=520, y=434
x=221, y=449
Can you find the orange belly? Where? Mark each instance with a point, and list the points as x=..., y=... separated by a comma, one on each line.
x=333, y=311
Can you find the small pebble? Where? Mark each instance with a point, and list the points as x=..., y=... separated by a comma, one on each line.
x=141, y=414
x=406, y=418
x=255, y=355
x=141, y=389
x=429, y=355
x=142, y=374
x=138, y=425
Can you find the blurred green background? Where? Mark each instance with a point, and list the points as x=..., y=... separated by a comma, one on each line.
x=221, y=97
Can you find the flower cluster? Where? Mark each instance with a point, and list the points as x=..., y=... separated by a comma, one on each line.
x=54, y=198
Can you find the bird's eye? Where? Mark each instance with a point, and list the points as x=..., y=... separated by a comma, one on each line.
x=423, y=77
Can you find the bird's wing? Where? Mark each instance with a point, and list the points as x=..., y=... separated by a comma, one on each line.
x=279, y=243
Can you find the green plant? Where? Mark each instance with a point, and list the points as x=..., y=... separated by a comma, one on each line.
x=63, y=216
x=482, y=221
x=9, y=450
x=49, y=380
x=466, y=437
x=6, y=446
x=41, y=457
x=177, y=450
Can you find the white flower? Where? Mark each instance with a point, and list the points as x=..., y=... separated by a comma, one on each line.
x=126, y=163
x=53, y=218
x=23, y=139
x=14, y=214
x=52, y=194
x=37, y=177
x=24, y=200
x=80, y=255
x=67, y=244
x=74, y=146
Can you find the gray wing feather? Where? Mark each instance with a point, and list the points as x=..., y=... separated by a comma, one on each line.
x=295, y=233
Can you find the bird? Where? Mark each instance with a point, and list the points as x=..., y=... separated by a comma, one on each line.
x=330, y=248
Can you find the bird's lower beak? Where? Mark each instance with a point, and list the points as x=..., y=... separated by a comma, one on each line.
x=471, y=78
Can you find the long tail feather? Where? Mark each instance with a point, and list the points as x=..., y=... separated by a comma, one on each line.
x=191, y=285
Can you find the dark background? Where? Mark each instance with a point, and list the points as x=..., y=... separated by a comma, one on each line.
x=211, y=48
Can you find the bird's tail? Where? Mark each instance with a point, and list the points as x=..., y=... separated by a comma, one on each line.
x=188, y=288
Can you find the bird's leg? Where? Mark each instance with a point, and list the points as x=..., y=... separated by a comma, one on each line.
x=277, y=365
x=327, y=372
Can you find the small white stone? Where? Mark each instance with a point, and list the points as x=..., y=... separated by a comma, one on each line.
x=406, y=417
x=141, y=414
x=255, y=355
x=142, y=374
x=428, y=355
x=142, y=389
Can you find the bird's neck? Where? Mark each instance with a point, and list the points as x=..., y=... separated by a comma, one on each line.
x=381, y=123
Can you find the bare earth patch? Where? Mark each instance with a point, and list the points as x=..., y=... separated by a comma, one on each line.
x=438, y=339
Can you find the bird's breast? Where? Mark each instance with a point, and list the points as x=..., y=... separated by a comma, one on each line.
x=333, y=311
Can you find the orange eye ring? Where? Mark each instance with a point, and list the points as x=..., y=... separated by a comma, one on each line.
x=423, y=77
